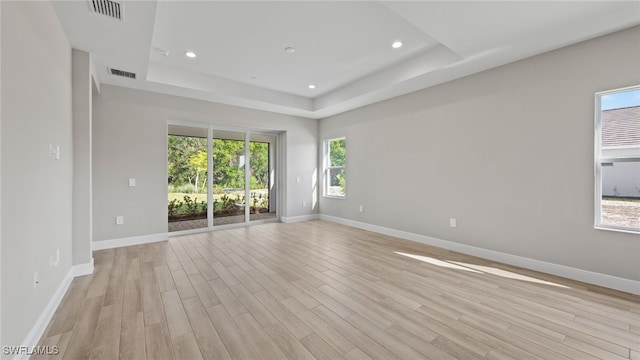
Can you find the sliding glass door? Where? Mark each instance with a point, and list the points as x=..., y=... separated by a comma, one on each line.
x=220, y=177
x=261, y=183
x=228, y=175
x=187, y=178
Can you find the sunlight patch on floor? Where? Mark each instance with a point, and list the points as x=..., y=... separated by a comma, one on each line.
x=507, y=274
x=437, y=262
x=479, y=269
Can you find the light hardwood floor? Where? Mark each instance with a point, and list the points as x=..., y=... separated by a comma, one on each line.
x=320, y=290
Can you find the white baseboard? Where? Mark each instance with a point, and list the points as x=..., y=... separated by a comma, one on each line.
x=293, y=219
x=82, y=269
x=47, y=314
x=608, y=281
x=134, y=240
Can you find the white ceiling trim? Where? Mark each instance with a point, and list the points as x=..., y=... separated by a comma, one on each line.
x=183, y=78
x=343, y=47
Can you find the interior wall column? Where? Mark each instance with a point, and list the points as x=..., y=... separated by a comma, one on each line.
x=82, y=154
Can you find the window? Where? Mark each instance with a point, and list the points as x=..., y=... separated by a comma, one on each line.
x=617, y=159
x=334, y=173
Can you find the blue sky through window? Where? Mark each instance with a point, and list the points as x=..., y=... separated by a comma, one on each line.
x=620, y=100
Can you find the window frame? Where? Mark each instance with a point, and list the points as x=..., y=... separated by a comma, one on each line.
x=599, y=159
x=326, y=144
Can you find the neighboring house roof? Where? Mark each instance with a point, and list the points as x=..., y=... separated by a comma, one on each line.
x=621, y=127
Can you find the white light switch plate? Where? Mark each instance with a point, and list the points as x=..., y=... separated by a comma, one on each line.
x=132, y=182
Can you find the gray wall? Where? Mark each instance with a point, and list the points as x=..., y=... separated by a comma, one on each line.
x=36, y=189
x=130, y=141
x=82, y=209
x=508, y=152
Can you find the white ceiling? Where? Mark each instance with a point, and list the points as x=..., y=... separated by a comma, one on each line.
x=344, y=48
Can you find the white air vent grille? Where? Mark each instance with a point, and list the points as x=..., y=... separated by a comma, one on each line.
x=122, y=73
x=107, y=7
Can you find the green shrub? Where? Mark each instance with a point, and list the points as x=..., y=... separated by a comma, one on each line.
x=185, y=188
x=174, y=205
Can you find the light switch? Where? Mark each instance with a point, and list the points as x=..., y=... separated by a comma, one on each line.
x=132, y=182
x=54, y=151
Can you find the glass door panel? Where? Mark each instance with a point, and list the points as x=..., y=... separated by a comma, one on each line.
x=228, y=175
x=262, y=182
x=187, y=178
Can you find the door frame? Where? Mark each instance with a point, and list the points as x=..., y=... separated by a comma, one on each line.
x=276, y=162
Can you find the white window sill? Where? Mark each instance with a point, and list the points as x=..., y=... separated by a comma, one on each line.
x=334, y=197
x=617, y=229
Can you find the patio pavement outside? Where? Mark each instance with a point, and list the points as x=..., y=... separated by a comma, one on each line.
x=224, y=220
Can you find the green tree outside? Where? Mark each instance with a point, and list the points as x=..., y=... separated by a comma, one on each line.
x=337, y=157
x=187, y=163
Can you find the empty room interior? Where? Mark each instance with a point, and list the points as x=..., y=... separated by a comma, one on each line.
x=320, y=180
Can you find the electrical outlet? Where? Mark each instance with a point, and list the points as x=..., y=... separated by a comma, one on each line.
x=453, y=223
x=132, y=182
x=304, y=203
x=119, y=220
x=361, y=208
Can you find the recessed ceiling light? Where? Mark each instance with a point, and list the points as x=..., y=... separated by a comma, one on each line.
x=190, y=54
x=289, y=50
x=396, y=44
x=311, y=86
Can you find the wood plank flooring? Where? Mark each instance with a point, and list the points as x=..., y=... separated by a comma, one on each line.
x=317, y=290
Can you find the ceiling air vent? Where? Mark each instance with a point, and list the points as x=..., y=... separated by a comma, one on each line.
x=107, y=7
x=122, y=73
